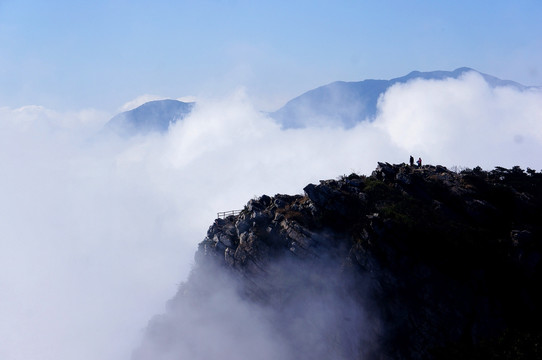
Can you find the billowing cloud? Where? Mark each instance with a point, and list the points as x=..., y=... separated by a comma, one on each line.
x=97, y=232
x=464, y=122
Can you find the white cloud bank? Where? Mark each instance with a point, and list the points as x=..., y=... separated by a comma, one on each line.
x=97, y=233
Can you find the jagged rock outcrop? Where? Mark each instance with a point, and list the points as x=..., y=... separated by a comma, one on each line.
x=432, y=263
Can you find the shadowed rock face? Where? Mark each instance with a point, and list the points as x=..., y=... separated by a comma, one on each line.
x=408, y=263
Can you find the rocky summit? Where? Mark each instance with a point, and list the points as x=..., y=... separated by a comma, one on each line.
x=407, y=263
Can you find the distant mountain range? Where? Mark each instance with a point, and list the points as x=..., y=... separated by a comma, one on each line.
x=348, y=103
x=340, y=103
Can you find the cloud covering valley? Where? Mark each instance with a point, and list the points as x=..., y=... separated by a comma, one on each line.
x=98, y=231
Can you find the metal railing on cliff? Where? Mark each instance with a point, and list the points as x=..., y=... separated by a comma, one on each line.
x=225, y=214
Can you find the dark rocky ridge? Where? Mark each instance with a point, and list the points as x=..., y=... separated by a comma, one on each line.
x=418, y=262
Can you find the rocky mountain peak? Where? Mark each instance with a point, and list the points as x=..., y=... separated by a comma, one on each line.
x=407, y=263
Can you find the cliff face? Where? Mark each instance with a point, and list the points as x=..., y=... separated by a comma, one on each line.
x=406, y=263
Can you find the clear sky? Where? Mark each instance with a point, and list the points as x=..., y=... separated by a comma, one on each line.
x=70, y=55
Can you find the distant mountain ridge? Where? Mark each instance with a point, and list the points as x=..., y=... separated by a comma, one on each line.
x=348, y=103
x=152, y=116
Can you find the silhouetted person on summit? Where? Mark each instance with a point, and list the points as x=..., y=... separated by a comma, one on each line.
x=411, y=161
x=419, y=162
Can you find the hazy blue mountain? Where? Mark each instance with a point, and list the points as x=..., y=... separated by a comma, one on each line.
x=348, y=103
x=153, y=116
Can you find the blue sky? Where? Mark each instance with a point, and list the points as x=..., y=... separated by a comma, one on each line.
x=69, y=55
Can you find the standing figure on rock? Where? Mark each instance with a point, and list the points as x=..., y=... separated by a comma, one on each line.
x=419, y=162
x=411, y=161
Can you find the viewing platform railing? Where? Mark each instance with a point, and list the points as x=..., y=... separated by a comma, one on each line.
x=225, y=214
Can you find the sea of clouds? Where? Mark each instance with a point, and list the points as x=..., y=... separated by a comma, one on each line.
x=97, y=231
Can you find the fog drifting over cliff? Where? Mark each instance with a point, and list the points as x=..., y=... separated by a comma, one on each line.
x=98, y=232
